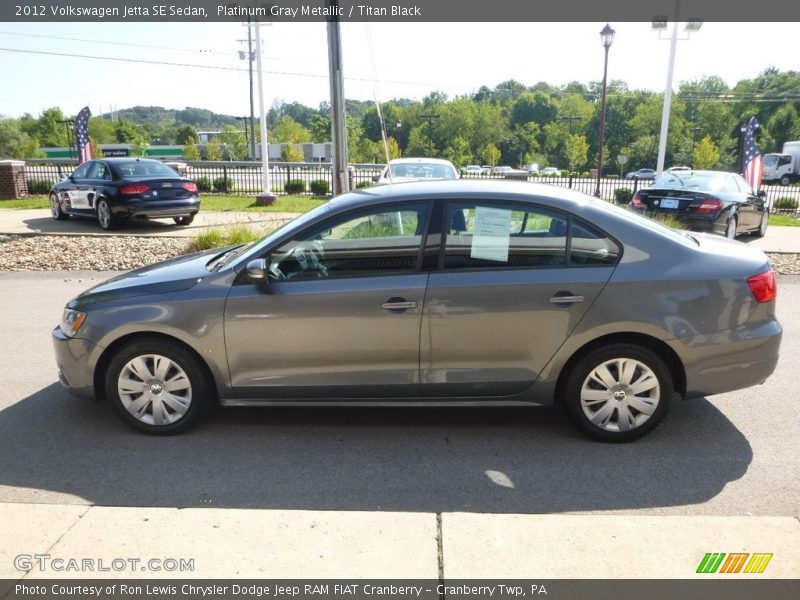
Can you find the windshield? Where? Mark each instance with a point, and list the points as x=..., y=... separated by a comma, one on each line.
x=423, y=171
x=691, y=181
x=770, y=160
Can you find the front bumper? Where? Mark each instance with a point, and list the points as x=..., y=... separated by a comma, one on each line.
x=159, y=209
x=729, y=360
x=72, y=359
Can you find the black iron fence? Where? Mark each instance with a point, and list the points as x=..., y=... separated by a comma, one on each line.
x=244, y=178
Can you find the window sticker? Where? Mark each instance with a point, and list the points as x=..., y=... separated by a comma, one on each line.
x=491, y=234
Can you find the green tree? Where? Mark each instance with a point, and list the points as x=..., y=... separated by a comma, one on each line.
x=292, y=153
x=287, y=130
x=102, y=130
x=783, y=126
x=320, y=128
x=49, y=131
x=190, y=150
x=15, y=143
x=214, y=149
x=491, y=154
x=234, y=141
x=577, y=151
x=139, y=145
x=706, y=154
x=186, y=133
x=458, y=152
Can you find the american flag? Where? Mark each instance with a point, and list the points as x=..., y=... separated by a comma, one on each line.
x=753, y=162
x=82, y=135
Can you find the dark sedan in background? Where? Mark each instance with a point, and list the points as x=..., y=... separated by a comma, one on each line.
x=711, y=201
x=443, y=293
x=114, y=190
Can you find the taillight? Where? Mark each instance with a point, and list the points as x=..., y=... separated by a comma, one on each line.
x=636, y=201
x=709, y=206
x=133, y=190
x=190, y=187
x=764, y=286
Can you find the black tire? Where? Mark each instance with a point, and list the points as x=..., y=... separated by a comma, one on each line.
x=762, y=227
x=105, y=215
x=730, y=228
x=161, y=412
x=55, y=208
x=786, y=180
x=183, y=221
x=617, y=419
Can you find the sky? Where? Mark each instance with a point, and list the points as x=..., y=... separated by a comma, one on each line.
x=381, y=60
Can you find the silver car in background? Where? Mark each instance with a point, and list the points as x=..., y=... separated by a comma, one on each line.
x=434, y=293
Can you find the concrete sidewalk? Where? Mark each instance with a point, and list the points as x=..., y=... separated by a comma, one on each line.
x=243, y=543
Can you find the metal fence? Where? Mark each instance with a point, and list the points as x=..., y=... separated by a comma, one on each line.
x=244, y=178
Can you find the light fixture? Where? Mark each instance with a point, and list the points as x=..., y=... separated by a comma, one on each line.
x=693, y=25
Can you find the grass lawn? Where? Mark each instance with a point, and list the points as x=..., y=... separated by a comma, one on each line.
x=784, y=220
x=294, y=204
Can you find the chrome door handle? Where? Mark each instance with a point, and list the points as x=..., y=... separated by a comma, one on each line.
x=565, y=299
x=398, y=305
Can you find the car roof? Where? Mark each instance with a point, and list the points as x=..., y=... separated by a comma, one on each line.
x=467, y=189
x=435, y=161
x=119, y=159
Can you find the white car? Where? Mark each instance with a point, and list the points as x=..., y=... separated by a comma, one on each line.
x=551, y=172
x=472, y=170
x=501, y=170
x=416, y=169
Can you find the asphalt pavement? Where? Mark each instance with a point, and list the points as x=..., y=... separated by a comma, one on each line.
x=363, y=492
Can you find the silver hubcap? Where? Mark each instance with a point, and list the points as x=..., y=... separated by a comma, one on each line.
x=154, y=389
x=54, y=208
x=104, y=213
x=620, y=395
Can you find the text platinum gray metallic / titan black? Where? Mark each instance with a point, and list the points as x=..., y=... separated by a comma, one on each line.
x=434, y=293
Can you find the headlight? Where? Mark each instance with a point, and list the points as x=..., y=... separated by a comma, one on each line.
x=71, y=321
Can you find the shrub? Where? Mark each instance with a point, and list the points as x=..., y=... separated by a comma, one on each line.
x=613, y=176
x=564, y=173
x=320, y=187
x=585, y=174
x=203, y=184
x=295, y=186
x=223, y=184
x=785, y=203
x=623, y=196
x=39, y=186
x=363, y=184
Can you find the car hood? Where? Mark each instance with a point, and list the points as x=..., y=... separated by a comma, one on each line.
x=173, y=275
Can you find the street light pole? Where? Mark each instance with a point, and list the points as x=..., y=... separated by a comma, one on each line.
x=607, y=35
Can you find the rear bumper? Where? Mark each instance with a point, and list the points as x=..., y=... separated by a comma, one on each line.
x=159, y=209
x=72, y=359
x=729, y=360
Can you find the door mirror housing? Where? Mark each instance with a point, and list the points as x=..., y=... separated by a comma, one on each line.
x=257, y=271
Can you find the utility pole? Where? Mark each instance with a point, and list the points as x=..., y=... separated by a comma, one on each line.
x=430, y=117
x=341, y=181
x=570, y=119
x=250, y=70
x=266, y=197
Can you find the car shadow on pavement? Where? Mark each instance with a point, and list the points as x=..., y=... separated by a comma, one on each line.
x=86, y=226
x=480, y=460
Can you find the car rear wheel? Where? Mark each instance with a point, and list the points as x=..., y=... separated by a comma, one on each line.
x=55, y=208
x=618, y=393
x=730, y=230
x=158, y=387
x=786, y=180
x=105, y=216
x=183, y=221
x=762, y=228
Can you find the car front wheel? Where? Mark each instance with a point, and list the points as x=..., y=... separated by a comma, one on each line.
x=158, y=387
x=55, y=208
x=618, y=393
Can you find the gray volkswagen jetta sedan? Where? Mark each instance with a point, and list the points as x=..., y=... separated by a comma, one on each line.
x=433, y=293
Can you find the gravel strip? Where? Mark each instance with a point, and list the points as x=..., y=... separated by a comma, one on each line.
x=121, y=253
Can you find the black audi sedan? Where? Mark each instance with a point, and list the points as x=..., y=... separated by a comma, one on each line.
x=710, y=201
x=115, y=190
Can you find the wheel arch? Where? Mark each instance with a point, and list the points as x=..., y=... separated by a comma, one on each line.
x=108, y=354
x=667, y=354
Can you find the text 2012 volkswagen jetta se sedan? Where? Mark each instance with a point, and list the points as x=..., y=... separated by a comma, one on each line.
x=441, y=293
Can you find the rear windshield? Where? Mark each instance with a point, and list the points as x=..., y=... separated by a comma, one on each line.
x=144, y=168
x=691, y=181
x=423, y=171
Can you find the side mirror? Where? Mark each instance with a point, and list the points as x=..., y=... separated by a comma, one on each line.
x=257, y=271
x=761, y=194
